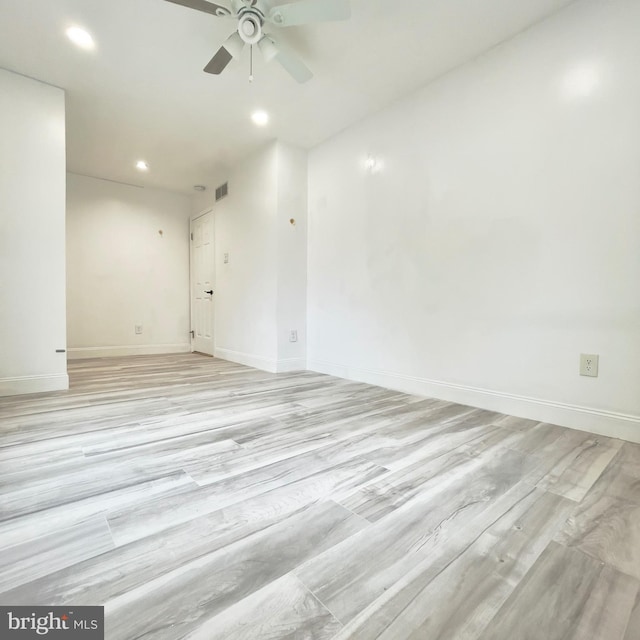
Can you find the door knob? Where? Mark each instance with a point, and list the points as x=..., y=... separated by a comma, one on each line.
x=210, y=292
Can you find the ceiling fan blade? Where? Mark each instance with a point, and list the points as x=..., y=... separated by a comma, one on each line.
x=289, y=60
x=203, y=5
x=306, y=11
x=231, y=49
x=219, y=62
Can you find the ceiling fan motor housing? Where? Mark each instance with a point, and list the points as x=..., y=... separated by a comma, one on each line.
x=250, y=27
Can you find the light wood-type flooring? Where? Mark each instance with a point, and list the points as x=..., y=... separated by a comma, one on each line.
x=196, y=498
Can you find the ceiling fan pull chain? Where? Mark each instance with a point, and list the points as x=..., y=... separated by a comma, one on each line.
x=251, y=63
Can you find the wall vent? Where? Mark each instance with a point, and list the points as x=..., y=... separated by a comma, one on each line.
x=222, y=191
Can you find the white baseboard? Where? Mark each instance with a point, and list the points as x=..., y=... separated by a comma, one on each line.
x=33, y=384
x=248, y=359
x=80, y=353
x=291, y=364
x=260, y=362
x=605, y=423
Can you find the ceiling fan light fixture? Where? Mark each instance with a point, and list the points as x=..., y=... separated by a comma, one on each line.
x=260, y=118
x=234, y=45
x=268, y=48
x=251, y=17
x=250, y=28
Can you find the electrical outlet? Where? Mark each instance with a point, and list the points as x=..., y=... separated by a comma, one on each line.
x=138, y=329
x=293, y=336
x=589, y=364
x=226, y=258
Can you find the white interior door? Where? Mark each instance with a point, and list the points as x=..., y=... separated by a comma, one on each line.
x=202, y=280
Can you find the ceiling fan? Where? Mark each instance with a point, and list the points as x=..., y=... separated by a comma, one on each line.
x=252, y=15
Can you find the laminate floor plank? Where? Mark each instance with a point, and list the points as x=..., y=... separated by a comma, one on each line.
x=606, y=613
x=34, y=491
x=161, y=512
x=464, y=597
x=17, y=459
x=36, y=558
x=606, y=523
x=179, y=602
x=432, y=443
x=282, y=609
x=415, y=417
x=517, y=424
x=621, y=479
x=205, y=422
x=74, y=421
x=249, y=460
x=606, y=528
x=355, y=573
x=550, y=442
x=38, y=523
x=178, y=447
x=567, y=595
x=633, y=624
x=577, y=471
x=132, y=565
x=198, y=498
x=399, y=486
x=173, y=461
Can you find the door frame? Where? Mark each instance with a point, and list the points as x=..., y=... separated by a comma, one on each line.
x=192, y=219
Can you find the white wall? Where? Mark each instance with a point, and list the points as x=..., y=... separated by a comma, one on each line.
x=292, y=257
x=32, y=242
x=246, y=287
x=499, y=236
x=260, y=293
x=122, y=272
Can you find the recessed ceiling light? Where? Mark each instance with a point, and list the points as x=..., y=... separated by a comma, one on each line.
x=260, y=118
x=200, y=187
x=373, y=164
x=142, y=165
x=80, y=37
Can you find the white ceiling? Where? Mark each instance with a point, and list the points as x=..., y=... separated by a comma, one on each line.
x=142, y=93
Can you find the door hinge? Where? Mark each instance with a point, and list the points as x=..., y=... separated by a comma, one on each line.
x=192, y=236
x=193, y=333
